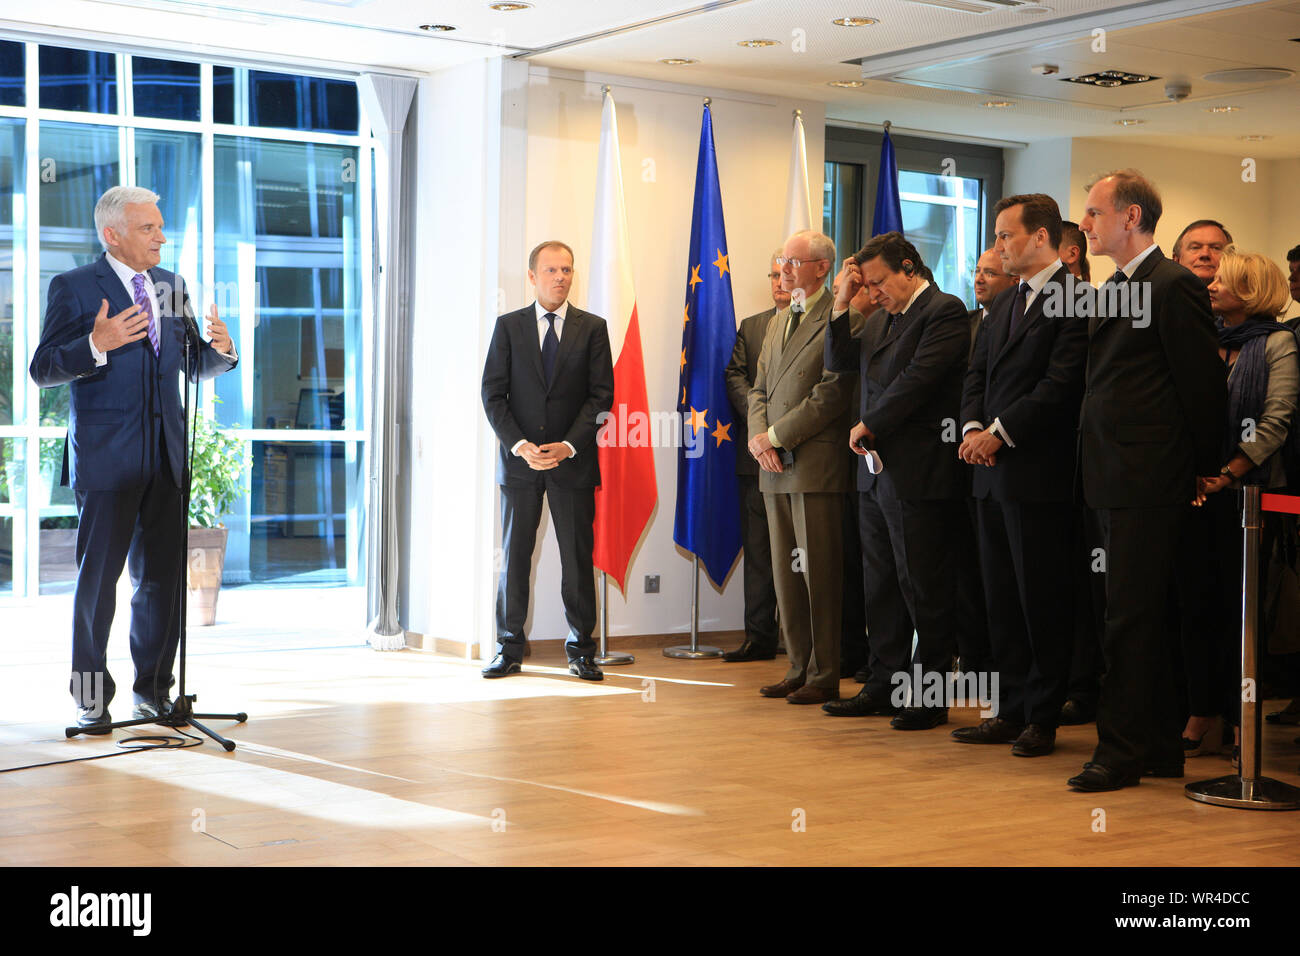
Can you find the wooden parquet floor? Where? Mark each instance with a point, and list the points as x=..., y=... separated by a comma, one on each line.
x=353, y=757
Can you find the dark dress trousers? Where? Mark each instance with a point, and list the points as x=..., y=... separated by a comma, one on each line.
x=520, y=405
x=126, y=437
x=1031, y=381
x=1151, y=422
x=911, y=376
x=760, y=593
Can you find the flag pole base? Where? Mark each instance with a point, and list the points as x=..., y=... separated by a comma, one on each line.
x=614, y=659
x=1259, y=793
x=688, y=653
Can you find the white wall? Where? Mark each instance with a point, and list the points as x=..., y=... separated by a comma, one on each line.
x=465, y=116
x=1193, y=185
x=659, y=128
x=1041, y=167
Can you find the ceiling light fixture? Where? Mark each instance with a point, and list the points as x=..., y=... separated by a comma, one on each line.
x=998, y=104
x=1129, y=122
x=677, y=60
x=508, y=7
x=847, y=84
x=1223, y=109
x=755, y=44
x=854, y=21
x=1255, y=138
x=1110, y=78
x=436, y=27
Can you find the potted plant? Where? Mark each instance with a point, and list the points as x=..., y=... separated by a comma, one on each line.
x=216, y=483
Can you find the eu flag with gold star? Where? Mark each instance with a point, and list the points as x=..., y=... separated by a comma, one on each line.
x=708, y=513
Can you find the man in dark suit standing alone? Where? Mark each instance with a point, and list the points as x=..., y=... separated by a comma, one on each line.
x=761, y=633
x=127, y=442
x=547, y=378
x=912, y=353
x=1020, y=410
x=1154, y=405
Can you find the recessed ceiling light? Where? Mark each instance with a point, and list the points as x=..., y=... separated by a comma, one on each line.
x=436, y=27
x=1262, y=74
x=1129, y=122
x=1111, y=78
x=1033, y=8
x=677, y=60
x=754, y=44
x=1255, y=138
x=1108, y=84
x=508, y=7
x=847, y=84
x=1223, y=109
x=998, y=104
x=854, y=21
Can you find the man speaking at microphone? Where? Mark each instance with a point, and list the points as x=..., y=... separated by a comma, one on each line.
x=115, y=331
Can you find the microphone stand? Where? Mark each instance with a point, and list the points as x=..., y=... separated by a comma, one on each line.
x=182, y=713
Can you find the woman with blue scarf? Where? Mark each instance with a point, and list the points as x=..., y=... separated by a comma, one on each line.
x=1248, y=295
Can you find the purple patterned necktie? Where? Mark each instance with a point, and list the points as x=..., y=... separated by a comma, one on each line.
x=146, y=307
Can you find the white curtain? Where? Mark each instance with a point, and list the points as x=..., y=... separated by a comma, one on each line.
x=387, y=101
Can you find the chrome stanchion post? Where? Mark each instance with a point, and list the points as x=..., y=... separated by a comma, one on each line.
x=1248, y=789
x=605, y=658
x=695, y=651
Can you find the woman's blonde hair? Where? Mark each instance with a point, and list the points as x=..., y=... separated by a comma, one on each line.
x=1255, y=280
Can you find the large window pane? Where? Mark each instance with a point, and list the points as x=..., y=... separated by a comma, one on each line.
x=77, y=164
x=288, y=240
x=12, y=476
x=941, y=218
x=301, y=495
x=13, y=230
x=167, y=89
x=166, y=162
x=842, y=208
x=302, y=102
x=78, y=80
x=13, y=71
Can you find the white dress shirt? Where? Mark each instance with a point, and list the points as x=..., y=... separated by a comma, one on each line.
x=127, y=275
x=544, y=326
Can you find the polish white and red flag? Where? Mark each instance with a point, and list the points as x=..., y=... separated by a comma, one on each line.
x=627, y=493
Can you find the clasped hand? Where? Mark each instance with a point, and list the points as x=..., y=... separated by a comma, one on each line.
x=543, y=457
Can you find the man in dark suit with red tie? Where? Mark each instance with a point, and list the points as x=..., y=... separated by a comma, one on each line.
x=547, y=378
x=1020, y=409
x=127, y=441
x=1154, y=406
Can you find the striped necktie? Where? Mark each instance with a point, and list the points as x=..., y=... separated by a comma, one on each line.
x=146, y=309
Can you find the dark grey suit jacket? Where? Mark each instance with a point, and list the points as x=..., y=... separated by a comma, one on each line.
x=740, y=379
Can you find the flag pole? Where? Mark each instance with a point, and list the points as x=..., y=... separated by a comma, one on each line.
x=606, y=657
x=695, y=651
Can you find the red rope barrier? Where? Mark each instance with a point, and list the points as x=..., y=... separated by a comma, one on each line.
x=1288, y=504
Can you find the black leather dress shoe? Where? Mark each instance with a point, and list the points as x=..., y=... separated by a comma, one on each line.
x=94, y=721
x=1074, y=712
x=501, y=666
x=992, y=730
x=861, y=704
x=146, y=709
x=585, y=668
x=1036, y=741
x=1094, y=778
x=919, y=718
x=750, y=651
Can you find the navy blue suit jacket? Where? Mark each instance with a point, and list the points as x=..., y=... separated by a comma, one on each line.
x=117, y=409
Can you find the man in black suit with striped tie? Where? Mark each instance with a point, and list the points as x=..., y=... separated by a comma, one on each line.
x=547, y=379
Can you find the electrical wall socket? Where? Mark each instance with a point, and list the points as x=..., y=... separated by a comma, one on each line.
x=652, y=584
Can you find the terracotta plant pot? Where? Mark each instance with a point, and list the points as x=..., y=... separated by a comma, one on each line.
x=207, y=559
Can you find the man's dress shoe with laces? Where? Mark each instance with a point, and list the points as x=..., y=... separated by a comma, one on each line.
x=1075, y=712
x=94, y=721
x=750, y=651
x=585, y=667
x=1094, y=778
x=809, y=694
x=861, y=704
x=1036, y=741
x=993, y=730
x=919, y=718
x=149, y=709
x=501, y=666
x=782, y=688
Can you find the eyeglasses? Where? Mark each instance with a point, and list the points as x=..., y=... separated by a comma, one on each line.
x=796, y=263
